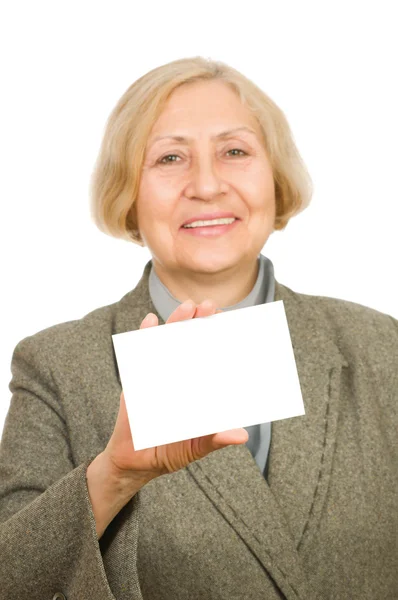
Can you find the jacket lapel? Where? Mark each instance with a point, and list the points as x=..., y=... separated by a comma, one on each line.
x=275, y=519
x=302, y=448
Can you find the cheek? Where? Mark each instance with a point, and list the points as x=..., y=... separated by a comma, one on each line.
x=257, y=186
x=259, y=198
x=156, y=204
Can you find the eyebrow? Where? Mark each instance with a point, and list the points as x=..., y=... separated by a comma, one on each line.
x=185, y=140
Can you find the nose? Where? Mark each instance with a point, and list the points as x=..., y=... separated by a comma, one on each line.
x=206, y=182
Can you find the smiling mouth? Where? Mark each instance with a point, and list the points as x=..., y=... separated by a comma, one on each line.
x=210, y=223
x=210, y=230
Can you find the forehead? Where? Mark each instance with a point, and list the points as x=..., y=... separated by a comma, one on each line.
x=203, y=103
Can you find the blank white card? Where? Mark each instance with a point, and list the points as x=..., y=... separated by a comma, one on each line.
x=201, y=376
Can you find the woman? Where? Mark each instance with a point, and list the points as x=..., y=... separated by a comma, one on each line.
x=308, y=512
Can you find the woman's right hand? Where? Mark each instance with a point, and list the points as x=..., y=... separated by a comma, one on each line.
x=149, y=463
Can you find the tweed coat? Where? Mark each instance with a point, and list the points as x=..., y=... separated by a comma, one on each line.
x=324, y=525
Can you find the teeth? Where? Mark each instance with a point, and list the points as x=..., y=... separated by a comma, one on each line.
x=213, y=222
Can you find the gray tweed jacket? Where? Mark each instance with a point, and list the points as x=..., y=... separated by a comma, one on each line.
x=324, y=526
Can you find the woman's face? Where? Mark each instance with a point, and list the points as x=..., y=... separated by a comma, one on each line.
x=205, y=174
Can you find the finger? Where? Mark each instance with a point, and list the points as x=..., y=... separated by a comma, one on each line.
x=186, y=310
x=206, y=308
x=231, y=436
x=150, y=321
x=215, y=441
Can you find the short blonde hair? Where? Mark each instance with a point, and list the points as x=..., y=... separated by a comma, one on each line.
x=116, y=176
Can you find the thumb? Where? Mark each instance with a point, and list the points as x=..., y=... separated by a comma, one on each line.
x=122, y=431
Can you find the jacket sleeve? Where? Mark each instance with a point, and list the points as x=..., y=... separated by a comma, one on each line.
x=48, y=540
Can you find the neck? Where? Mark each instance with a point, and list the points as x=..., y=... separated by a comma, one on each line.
x=225, y=288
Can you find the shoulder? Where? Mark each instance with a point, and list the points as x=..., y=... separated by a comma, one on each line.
x=359, y=319
x=94, y=330
x=356, y=329
x=62, y=341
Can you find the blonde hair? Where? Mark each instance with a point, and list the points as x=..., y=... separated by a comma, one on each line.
x=116, y=176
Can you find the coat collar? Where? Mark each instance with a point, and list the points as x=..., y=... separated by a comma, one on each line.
x=275, y=518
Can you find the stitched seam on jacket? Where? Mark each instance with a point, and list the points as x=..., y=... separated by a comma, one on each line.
x=239, y=518
x=321, y=465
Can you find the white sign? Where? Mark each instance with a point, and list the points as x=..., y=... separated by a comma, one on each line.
x=210, y=374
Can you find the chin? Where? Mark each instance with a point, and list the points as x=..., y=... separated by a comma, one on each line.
x=213, y=262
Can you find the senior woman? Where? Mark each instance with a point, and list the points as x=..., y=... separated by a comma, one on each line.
x=199, y=165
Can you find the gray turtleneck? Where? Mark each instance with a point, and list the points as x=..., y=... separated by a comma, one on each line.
x=263, y=291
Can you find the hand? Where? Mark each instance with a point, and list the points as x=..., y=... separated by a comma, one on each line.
x=152, y=462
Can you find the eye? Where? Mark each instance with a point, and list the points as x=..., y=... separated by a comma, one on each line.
x=161, y=160
x=238, y=150
x=166, y=156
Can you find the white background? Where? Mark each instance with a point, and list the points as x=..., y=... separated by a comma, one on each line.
x=331, y=67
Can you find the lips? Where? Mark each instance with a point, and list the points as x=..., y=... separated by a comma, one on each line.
x=210, y=217
x=210, y=231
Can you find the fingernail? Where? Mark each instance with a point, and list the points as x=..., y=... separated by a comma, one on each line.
x=207, y=303
x=188, y=305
